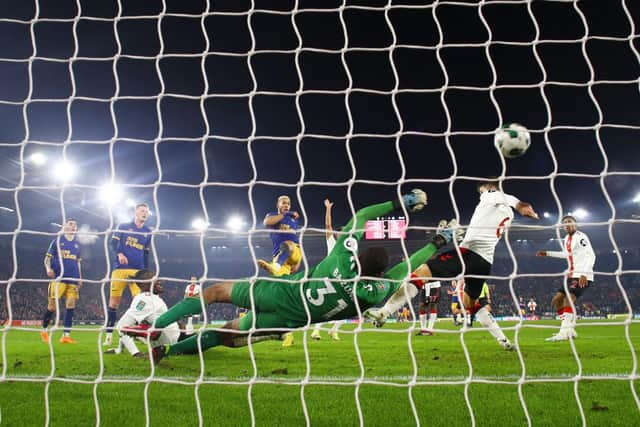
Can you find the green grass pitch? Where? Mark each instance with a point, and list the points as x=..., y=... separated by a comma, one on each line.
x=437, y=383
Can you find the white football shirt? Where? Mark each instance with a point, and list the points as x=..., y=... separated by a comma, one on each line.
x=148, y=307
x=579, y=255
x=488, y=222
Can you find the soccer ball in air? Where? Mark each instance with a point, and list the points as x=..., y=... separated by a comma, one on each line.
x=192, y=290
x=513, y=140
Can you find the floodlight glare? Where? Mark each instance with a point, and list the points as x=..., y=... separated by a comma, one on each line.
x=235, y=223
x=637, y=198
x=38, y=158
x=546, y=214
x=111, y=193
x=580, y=213
x=130, y=203
x=199, y=224
x=63, y=171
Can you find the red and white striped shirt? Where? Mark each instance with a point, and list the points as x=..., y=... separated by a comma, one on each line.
x=579, y=255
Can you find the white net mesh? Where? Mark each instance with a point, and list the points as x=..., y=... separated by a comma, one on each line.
x=210, y=110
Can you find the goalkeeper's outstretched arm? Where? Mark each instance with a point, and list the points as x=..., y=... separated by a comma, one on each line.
x=413, y=201
x=411, y=269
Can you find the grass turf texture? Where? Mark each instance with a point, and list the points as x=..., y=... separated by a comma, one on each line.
x=439, y=392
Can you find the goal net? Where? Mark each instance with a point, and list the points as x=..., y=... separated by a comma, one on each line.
x=209, y=111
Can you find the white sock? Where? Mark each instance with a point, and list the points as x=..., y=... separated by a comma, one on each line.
x=432, y=320
x=486, y=319
x=128, y=343
x=568, y=322
x=403, y=295
x=423, y=320
x=317, y=327
x=188, y=329
x=336, y=325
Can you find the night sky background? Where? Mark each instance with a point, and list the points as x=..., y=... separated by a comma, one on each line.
x=202, y=110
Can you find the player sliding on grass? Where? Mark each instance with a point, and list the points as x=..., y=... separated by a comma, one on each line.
x=333, y=290
x=146, y=307
x=487, y=224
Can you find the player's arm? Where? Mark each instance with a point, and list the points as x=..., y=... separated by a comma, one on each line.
x=412, y=201
x=116, y=246
x=79, y=272
x=554, y=254
x=271, y=220
x=498, y=197
x=328, y=233
x=51, y=252
x=402, y=292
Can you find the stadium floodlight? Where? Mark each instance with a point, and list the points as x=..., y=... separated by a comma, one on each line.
x=63, y=171
x=123, y=216
x=580, y=213
x=637, y=198
x=111, y=193
x=199, y=224
x=235, y=223
x=546, y=215
x=38, y=158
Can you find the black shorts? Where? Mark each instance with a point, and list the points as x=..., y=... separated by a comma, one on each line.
x=448, y=264
x=483, y=302
x=431, y=297
x=572, y=284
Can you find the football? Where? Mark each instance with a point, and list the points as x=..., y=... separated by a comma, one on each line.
x=192, y=290
x=512, y=140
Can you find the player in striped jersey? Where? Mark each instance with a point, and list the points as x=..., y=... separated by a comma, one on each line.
x=62, y=263
x=430, y=296
x=130, y=246
x=490, y=217
x=331, y=242
x=581, y=259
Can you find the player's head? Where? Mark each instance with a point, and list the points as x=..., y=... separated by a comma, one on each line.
x=144, y=280
x=570, y=224
x=142, y=212
x=487, y=185
x=373, y=261
x=284, y=204
x=70, y=226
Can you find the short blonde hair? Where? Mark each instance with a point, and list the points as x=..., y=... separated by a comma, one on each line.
x=283, y=197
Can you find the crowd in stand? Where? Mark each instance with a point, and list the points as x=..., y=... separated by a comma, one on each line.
x=28, y=299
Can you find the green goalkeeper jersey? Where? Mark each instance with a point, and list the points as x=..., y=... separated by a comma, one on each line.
x=331, y=291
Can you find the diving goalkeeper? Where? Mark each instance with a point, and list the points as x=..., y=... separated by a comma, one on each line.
x=332, y=290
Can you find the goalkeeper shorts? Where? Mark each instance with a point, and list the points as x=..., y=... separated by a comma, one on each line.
x=277, y=304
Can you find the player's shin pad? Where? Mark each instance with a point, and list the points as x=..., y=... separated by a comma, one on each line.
x=186, y=307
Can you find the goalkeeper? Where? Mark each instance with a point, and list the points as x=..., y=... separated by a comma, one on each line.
x=332, y=289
